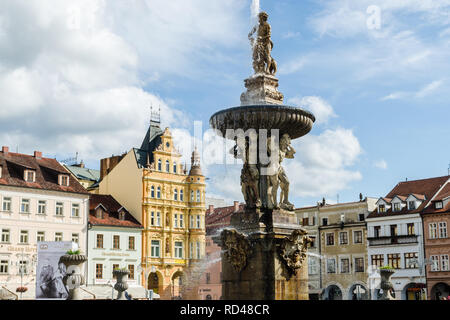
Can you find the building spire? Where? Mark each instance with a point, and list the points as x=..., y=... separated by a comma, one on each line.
x=195, y=163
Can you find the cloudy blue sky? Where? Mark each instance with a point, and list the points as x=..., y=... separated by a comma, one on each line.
x=79, y=76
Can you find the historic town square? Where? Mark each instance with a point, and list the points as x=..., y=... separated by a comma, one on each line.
x=174, y=152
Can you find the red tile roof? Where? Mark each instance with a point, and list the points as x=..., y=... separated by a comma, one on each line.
x=219, y=218
x=111, y=216
x=443, y=194
x=47, y=171
x=425, y=187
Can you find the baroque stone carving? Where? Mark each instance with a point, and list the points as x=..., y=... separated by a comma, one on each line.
x=236, y=248
x=293, y=250
x=262, y=46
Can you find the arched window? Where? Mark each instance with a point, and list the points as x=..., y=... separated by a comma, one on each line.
x=158, y=193
x=192, y=195
x=175, y=194
x=167, y=166
x=198, y=195
x=181, y=195
x=153, y=192
x=175, y=167
x=159, y=165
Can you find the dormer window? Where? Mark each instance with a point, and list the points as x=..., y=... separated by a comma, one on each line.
x=99, y=212
x=122, y=215
x=1, y=169
x=29, y=176
x=63, y=180
x=381, y=208
x=411, y=205
x=397, y=207
x=438, y=205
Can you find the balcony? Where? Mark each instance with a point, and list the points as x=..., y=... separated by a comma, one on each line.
x=393, y=240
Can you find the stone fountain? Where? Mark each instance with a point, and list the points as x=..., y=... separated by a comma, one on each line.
x=264, y=250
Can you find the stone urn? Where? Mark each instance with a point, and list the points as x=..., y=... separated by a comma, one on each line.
x=74, y=277
x=121, y=284
x=386, y=284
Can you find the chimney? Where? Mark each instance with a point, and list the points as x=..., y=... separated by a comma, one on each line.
x=5, y=150
x=236, y=206
x=38, y=154
x=211, y=208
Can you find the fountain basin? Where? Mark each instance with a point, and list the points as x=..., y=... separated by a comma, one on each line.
x=294, y=121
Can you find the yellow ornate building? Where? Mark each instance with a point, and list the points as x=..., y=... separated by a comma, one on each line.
x=170, y=204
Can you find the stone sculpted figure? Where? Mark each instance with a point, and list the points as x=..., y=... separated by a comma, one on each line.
x=262, y=46
x=286, y=151
x=293, y=249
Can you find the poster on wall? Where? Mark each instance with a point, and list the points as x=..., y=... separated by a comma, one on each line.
x=49, y=272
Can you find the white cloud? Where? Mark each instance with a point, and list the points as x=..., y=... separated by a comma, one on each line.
x=321, y=109
x=421, y=93
x=290, y=35
x=428, y=89
x=381, y=164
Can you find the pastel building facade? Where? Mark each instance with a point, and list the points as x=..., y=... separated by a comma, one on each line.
x=39, y=201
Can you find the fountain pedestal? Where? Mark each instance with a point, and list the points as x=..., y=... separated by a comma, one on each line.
x=264, y=257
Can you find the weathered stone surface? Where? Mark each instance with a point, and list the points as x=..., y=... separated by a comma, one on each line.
x=261, y=89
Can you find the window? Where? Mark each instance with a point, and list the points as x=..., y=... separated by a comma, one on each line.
x=345, y=265
x=40, y=236
x=152, y=218
x=343, y=238
x=438, y=205
x=175, y=195
x=175, y=167
x=167, y=166
x=131, y=269
x=361, y=217
x=23, y=267
x=115, y=267
x=4, y=266
x=175, y=220
x=59, y=209
x=393, y=230
x=116, y=242
x=359, y=264
x=377, y=231
x=5, y=235
x=199, y=250
x=381, y=208
x=357, y=236
x=181, y=195
x=158, y=219
x=29, y=176
x=330, y=239
x=313, y=242
x=434, y=263
x=75, y=210
x=198, y=222
x=75, y=237
x=99, y=241
x=411, y=205
x=25, y=206
x=58, y=236
x=158, y=192
x=1, y=171
x=131, y=243
x=191, y=250
x=305, y=221
x=64, y=180
x=433, y=230
x=394, y=260
x=397, y=206
x=411, y=260
x=208, y=278
x=159, y=165
x=377, y=260
x=181, y=221
x=99, y=271
x=442, y=229
x=152, y=191
x=192, y=195
x=313, y=266
x=444, y=263
x=42, y=206
x=410, y=229
x=178, y=249
x=324, y=221
x=198, y=195
x=7, y=204
x=191, y=221
x=155, y=245
x=24, y=237
x=99, y=212
x=331, y=266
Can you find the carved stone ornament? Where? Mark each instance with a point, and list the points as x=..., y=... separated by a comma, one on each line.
x=293, y=250
x=236, y=248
